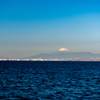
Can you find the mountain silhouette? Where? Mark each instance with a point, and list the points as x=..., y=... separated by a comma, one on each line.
x=66, y=55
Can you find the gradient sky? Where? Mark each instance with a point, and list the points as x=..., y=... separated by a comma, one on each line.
x=30, y=27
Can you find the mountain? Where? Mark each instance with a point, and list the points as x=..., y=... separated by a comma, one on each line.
x=2, y=58
x=64, y=55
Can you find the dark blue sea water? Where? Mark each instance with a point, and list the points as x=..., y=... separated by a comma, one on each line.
x=54, y=80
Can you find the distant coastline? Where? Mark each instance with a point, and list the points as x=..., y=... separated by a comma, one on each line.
x=39, y=59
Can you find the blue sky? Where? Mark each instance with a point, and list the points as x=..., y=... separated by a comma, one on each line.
x=30, y=27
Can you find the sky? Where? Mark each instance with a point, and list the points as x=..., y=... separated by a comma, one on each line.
x=30, y=27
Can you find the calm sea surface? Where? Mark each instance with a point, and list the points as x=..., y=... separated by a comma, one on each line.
x=51, y=80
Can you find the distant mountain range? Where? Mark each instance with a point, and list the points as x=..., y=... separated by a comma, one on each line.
x=66, y=55
x=2, y=57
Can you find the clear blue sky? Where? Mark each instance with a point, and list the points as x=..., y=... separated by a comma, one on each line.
x=29, y=27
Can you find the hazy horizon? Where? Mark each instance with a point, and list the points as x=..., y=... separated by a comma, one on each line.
x=30, y=27
x=50, y=53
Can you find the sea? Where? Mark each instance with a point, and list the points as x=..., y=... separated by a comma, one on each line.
x=49, y=80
